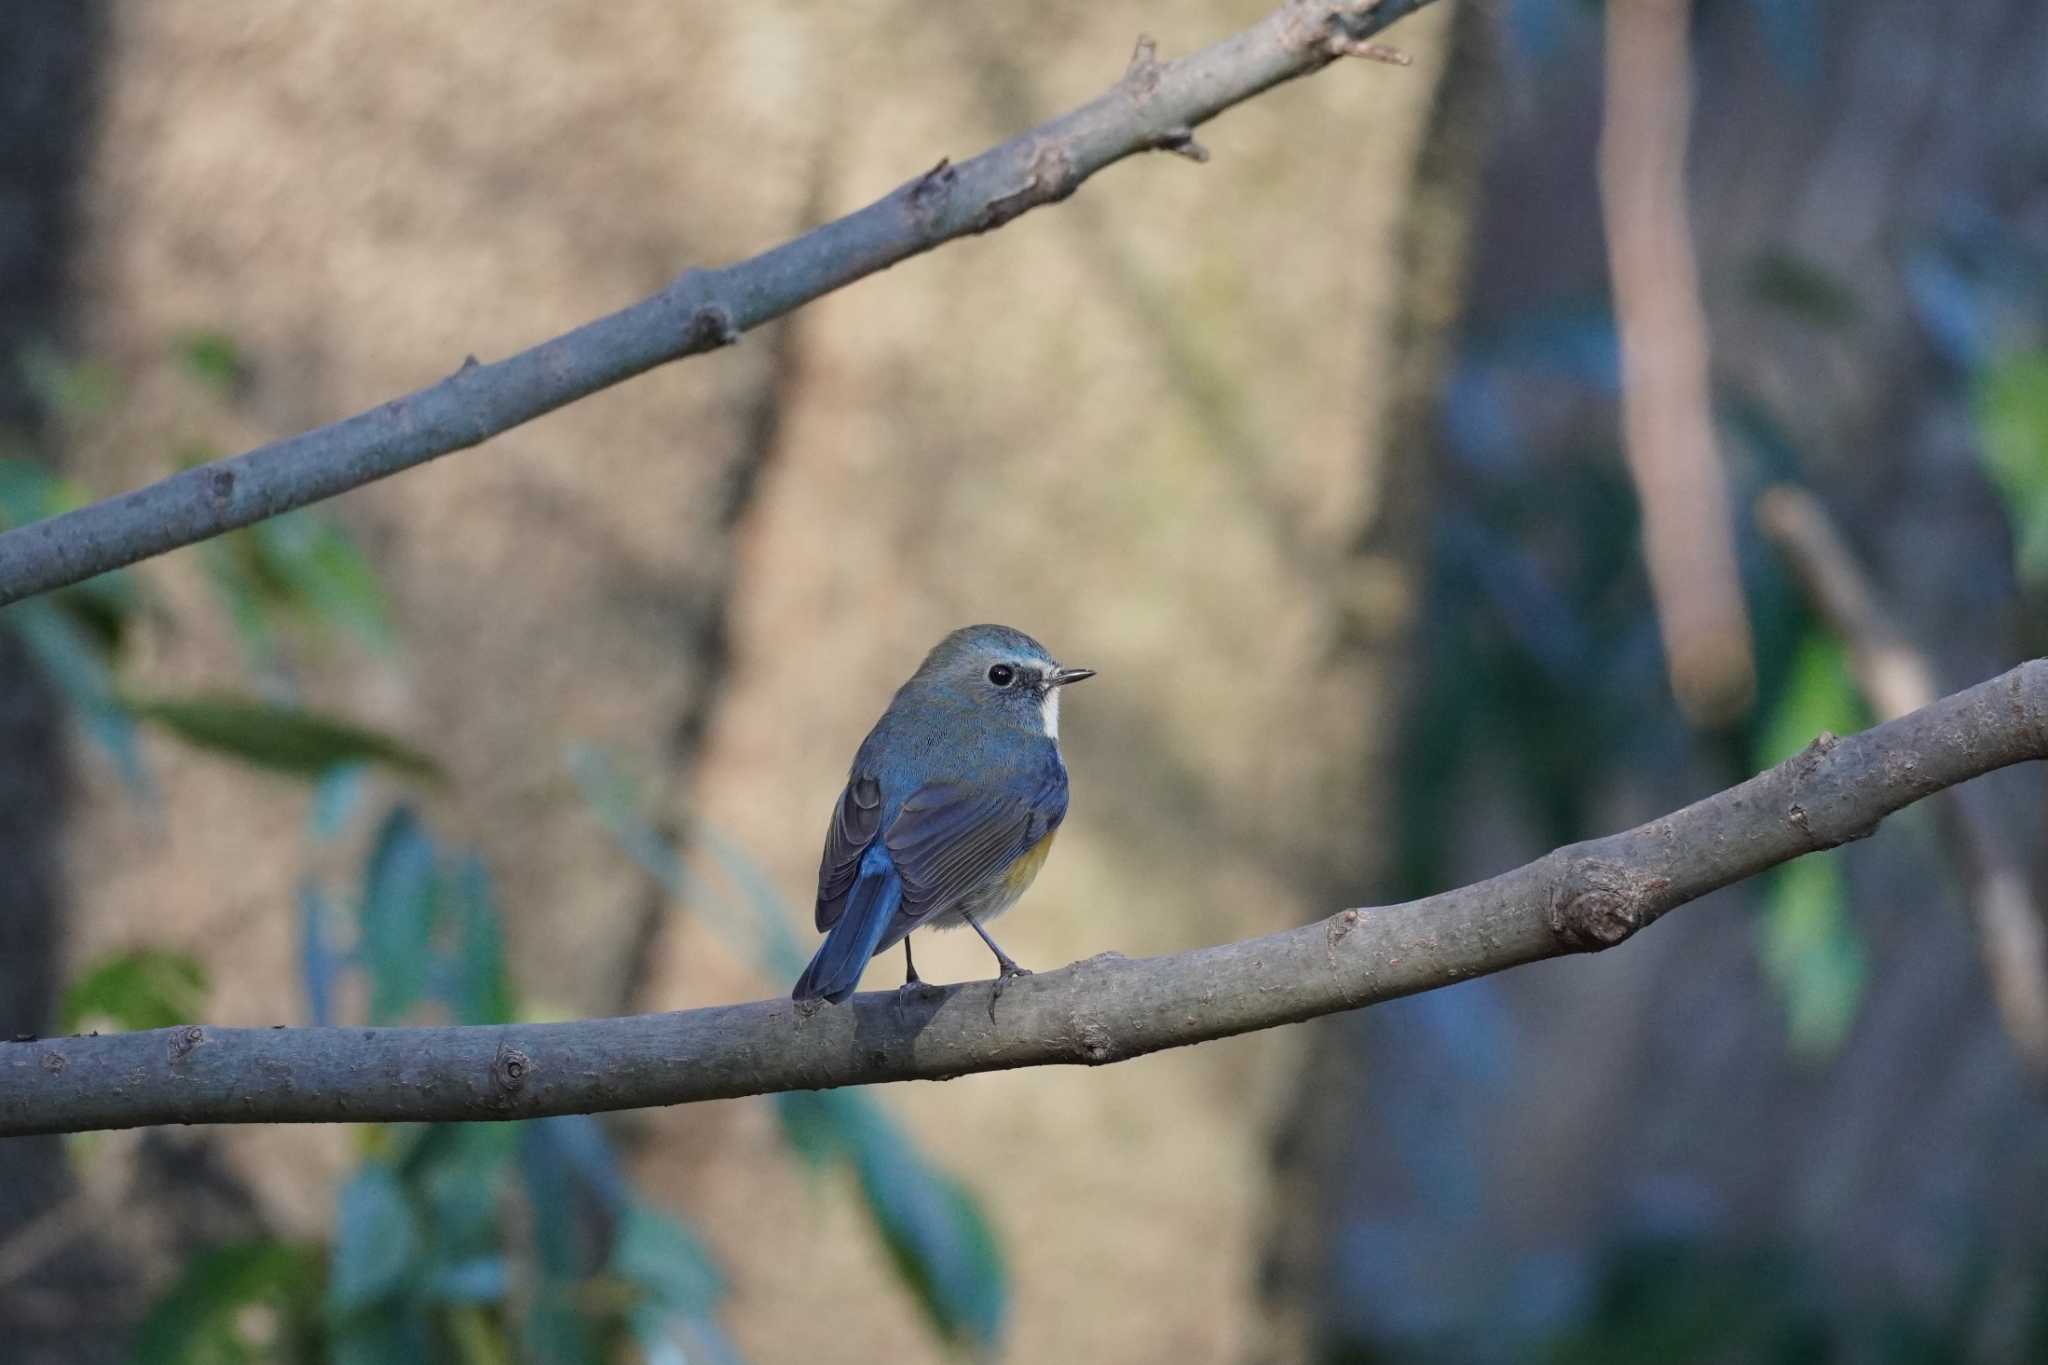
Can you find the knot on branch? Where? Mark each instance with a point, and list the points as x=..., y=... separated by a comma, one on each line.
x=1141, y=77
x=509, y=1069
x=929, y=194
x=1596, y=904
x=712, y=326
x=1050, y=179
x=183, y=1040
x=1092, y=1041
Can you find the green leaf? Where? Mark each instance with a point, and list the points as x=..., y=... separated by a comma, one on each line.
x=376, y=1242
x=2012, y=418
x=200, y=1319
x=1818, y=695
x=144, y=988
x=398, y=912
x=1813, y=954
x=211, y=357
x=1804, y=289
x=1810, y=947
x=72, y=389
x=283, y=739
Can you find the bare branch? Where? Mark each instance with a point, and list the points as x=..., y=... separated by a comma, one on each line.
x=1155, y=105
x=1581, y=898
x=1896, y=678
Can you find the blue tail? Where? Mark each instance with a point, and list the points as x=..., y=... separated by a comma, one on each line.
x=870, y=905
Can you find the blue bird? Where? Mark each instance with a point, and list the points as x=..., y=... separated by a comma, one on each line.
x=950, y=807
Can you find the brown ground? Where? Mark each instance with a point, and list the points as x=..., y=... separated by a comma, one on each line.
x=1130, y=424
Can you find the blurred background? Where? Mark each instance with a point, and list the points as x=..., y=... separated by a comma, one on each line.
x=1400, y=471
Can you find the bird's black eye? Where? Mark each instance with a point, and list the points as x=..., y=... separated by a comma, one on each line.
x=1002, y=675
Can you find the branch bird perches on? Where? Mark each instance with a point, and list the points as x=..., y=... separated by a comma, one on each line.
x=1581, y=898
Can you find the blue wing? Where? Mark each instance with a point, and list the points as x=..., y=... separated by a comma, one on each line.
x=948, y=838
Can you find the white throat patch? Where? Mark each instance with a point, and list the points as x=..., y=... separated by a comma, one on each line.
x=1051, y=713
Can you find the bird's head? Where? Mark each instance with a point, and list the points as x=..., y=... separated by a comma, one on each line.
x=1004, y=670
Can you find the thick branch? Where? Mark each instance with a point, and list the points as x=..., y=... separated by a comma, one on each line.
x=1156, y=105
x=1581, y=898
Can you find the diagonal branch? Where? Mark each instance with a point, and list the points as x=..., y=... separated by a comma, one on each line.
x=1896, y=678
x=1581, y=898
x=1154, y=106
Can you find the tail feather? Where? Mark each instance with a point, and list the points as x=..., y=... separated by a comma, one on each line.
x=870, y=905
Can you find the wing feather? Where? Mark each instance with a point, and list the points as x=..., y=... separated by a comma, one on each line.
x=855, y=822
x=951, y=837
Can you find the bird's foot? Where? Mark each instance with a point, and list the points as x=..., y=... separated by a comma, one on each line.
x=915, y=991
x=1006, y=972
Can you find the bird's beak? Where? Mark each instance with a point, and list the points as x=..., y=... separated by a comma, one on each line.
x=1061, y=677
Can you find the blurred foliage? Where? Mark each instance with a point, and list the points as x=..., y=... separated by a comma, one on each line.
x=299, y=573
x=142, y=988
x=2012, y=414
x=283, y=739
x=933, y=1228
x=1810, y=947
x=480, y=1243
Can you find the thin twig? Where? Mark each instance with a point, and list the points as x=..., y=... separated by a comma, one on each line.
x=1155, y=105
x=1667, y=420
x=1581, y=898
x=1895, y=678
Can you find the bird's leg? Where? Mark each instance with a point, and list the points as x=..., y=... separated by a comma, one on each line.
x=913, y=985
x=1005, y=968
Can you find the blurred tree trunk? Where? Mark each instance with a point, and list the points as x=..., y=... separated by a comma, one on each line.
x=1470, y=1163
x=1378, y=590
x=47, y=65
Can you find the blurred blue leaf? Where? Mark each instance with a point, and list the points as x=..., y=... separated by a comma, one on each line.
x=335, y=798
x=933, y=1228
x=199, y=1320
x=459, y=1171
x=79, y=673
x=398, y=915
x=1792, y=34
x=283, y=739
x=936, y=1234
x=617, y=805
x=482, y=991
x=376, y=1242
x=659, y=1256
x=777, y=948
x=319, y=963
x=554, y=1331
x=483, y=1279
x=142, y=988
x=2012, y=418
